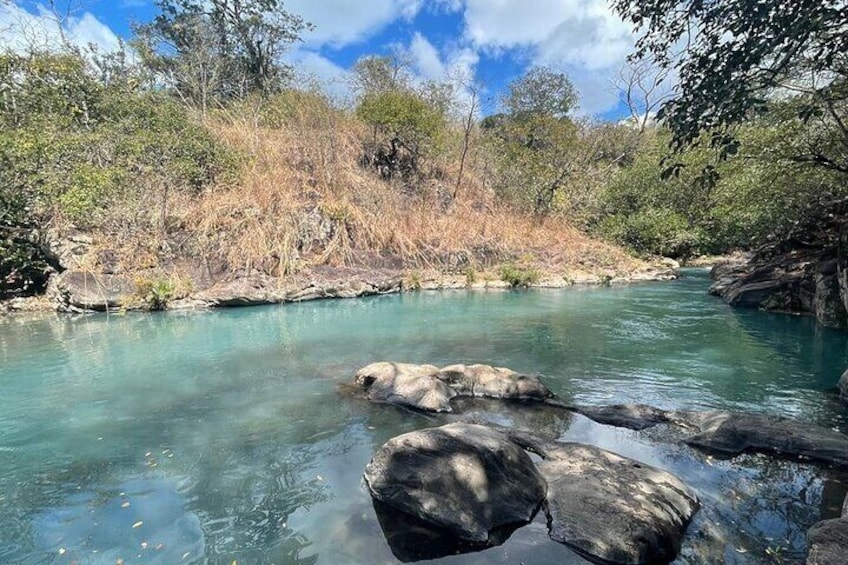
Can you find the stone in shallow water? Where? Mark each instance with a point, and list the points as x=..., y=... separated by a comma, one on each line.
x=467, y=479
x=733, y=433
x=614, y=508
x=427, y=387
x=416, y=386
x=843, y=386
x=493, y=382
x=632, y=416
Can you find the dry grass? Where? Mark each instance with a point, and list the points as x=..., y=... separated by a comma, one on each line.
x=303, y=176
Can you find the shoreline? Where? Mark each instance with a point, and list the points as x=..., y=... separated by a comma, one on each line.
x=101, y=294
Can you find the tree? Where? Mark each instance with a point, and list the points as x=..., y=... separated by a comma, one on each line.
x=220, y=49
x=376, y=73
x=541, y=91
x=736, y=59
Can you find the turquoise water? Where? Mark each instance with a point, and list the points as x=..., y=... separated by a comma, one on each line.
x=215, y=437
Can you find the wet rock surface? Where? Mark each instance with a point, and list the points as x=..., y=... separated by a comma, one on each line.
x=467, y=479
x=828, y=542
x=732, y=433
x=80, y=291
x=632, y=416
x=842, y=386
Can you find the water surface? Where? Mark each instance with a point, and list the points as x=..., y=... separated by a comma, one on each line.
x=215, y=437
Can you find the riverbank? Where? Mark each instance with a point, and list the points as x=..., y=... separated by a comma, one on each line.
x=81, y=291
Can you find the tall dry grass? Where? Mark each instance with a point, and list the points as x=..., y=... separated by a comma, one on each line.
x=303, y=174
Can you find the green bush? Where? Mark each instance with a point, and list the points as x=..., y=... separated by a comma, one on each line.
x=519, y=276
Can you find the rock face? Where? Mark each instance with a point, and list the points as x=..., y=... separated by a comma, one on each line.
x=797, y=281
x=613, y=508
x=632, y=416
x=79, y=291
x=843, y=386
x=426, y=387
x=467, y=479
x=733, y=433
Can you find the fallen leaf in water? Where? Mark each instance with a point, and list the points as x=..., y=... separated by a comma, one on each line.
x=138, y=524
x=741, y=550
x=125, y=505
x=144, y=545
x=186, y=554
x=62, y=551
x=159, y=546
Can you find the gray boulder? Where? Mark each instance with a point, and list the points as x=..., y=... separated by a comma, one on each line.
x=429, y=388
x=614, y=508
x=467, y=479
x=416, y=386
x=80, y=291
x=828, y=542
x=493, y=382
x=843, y=386
x=633, y=416
x=733, y=433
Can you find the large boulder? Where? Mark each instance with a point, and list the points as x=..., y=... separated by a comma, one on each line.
x=466, y=479
x=416, y=386
x=493, y=382
x=733, y=433
x=81, y=291
x=632, y=416
x=614, y=508
x=429, y=388
x=843, y=386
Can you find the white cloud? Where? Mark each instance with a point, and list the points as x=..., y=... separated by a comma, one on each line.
x=311, y=66
x=344, y=22
x=21, y=30
x=583, y=38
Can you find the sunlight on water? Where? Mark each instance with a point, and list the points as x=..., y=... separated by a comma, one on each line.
x=221, y=436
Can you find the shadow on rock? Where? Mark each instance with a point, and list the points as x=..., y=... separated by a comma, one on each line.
x=412, y=539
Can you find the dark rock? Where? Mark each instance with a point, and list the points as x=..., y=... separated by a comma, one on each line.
x=493, y=382
x=632, y=416
x=733, y=433
x=67, y=250
x=828, y=305
x=828, y=542
x=613, y=508
x=842, y=385
x=79, y=291
x=467, y=479
x=417, y=386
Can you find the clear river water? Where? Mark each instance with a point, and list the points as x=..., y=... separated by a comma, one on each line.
x=222, y=437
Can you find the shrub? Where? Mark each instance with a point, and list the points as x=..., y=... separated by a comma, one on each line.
x=519, y=275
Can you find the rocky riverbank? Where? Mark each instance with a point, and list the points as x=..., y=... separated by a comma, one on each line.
x=87, y=278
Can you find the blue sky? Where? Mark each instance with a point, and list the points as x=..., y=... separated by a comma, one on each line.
x=492, y=40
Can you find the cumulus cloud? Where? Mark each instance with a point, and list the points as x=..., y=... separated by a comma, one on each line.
x=22, y=30
x=310, y=66
x=342, y=22
x=584, y=38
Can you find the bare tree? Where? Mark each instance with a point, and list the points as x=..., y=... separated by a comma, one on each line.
x=644, y=88
x=473, y=107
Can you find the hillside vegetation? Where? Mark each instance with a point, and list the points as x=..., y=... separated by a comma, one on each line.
x=211, y=161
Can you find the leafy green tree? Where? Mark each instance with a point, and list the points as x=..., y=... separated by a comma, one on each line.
x=541, y=91
x=220, y=49
x=734, y=59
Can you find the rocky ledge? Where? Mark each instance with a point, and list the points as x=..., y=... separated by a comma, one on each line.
x=800, y=281
x=828, y=540
x=478, y=484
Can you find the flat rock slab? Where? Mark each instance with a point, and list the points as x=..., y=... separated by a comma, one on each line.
x=613, y=508
x=426, y=387
x=467, y=479
x=843, y=386
x=733, y=433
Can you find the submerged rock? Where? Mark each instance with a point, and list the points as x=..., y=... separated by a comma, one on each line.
x=632, y=416
x=614, y=508
x=429, y=388
x=467, y=479
x=733, y=433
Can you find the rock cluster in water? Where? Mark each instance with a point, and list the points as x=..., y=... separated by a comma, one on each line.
x=474, y=481
x=477, y=483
